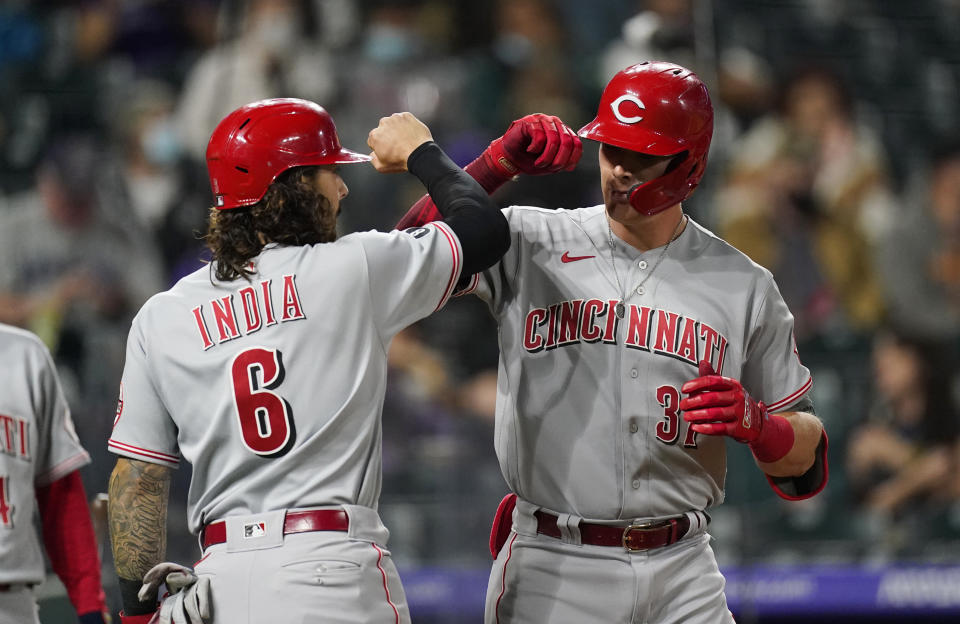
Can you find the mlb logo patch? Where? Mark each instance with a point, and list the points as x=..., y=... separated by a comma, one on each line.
x=254, y=529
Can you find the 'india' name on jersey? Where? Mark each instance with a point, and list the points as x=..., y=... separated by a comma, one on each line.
x=648, y=329
x=255, y=303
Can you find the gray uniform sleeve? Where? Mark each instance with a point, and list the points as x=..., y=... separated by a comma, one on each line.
x=772, y=370
x=142, y=429
x=58, y=449
x=412, y=273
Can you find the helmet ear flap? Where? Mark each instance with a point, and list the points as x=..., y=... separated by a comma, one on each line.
x=676, y=161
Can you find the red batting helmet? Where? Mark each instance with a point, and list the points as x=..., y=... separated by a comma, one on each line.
x=257, y=142
x=660, y=109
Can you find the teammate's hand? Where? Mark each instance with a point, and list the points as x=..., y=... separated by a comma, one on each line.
x=189, y=600
x=395, y=139
x=537, y=144
x=719, y=405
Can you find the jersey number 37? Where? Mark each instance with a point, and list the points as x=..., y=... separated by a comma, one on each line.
x=668, y=429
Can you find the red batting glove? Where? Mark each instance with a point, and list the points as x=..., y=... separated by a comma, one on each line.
x=720, y=406
x=537, y=144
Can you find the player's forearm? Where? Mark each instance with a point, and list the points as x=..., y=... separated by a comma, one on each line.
x=139, y=493
x=807, y=431
x=477, y=221
x=924, y=474
x=425, y=210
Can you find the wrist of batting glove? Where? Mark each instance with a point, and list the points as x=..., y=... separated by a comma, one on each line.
x=719, y=405
x=498, y=163
x=775, y=439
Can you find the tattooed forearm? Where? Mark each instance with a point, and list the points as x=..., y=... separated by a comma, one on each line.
x=139, y=493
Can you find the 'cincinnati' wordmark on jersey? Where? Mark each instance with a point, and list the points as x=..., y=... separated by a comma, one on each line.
x=14, y=436
x=648, y=329
x=247, y=310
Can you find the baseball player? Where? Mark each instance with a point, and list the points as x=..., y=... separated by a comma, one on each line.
x=633, y=343
x=39, y=466
x=266, y=372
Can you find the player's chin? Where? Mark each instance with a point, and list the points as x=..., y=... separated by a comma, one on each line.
x=618, y=205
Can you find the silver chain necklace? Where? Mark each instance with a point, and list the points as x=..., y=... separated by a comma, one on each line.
x=620, y=309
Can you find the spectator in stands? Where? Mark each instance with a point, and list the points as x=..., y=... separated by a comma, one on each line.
x=527, y=67
x=74, y=275
x=272, y=55
x=59, y=254
x=660, y=30
x=155, y=190
x=802, y=185
x=401, y=62
x=902, y=459
x=921, y=263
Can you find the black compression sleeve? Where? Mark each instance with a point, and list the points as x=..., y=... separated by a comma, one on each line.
x=477, y=221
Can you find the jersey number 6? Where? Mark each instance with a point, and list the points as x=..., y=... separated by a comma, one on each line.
x=266, y=418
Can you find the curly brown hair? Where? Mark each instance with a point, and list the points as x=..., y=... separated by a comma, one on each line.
x=291, y=212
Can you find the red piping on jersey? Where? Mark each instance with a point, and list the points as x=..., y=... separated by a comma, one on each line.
x=503, y=578
x=793, y=397
x=201, y=560
x=455, y=273
x=63, y=468
x=136, y=450
x=470, y=287
x=385, y=588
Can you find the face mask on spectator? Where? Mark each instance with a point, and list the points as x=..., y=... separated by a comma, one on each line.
x=389, y=44
x=160, y=143
x=276, y=32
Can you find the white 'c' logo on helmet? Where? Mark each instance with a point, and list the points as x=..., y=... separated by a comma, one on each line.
x=615, y=107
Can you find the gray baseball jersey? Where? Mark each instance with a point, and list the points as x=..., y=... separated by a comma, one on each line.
x=587, y=420
x=272, y=389
x=39, y=446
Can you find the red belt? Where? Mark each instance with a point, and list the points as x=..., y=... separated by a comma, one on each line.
x=634, y=537
x=294, y=522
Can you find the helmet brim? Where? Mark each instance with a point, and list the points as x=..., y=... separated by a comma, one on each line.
x=345, y=156
x=644, y=143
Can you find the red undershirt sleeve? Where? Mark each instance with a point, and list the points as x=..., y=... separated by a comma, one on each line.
x=70, y=542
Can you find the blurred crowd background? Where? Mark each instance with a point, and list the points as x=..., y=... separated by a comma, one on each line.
x=835, y=164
